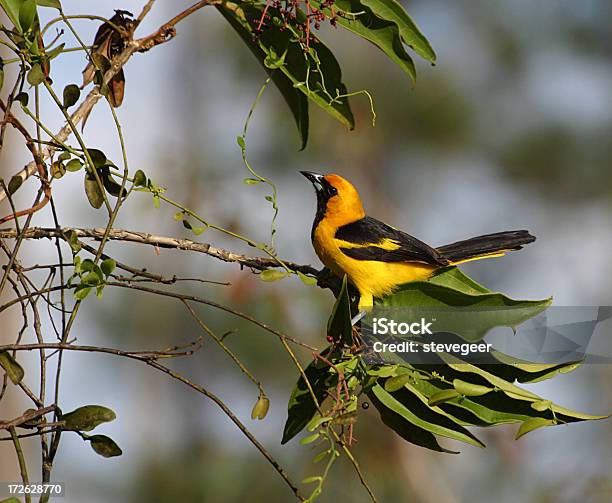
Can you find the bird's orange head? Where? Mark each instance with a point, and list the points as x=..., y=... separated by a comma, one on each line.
x=337, y=200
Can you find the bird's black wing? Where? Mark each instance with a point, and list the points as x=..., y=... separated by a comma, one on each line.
x=372, y=239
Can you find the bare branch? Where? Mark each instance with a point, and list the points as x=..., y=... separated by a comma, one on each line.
x=257, y=263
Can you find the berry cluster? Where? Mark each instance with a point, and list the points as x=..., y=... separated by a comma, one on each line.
x=301, y=15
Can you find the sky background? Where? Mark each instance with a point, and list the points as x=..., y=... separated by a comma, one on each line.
x=511, y=129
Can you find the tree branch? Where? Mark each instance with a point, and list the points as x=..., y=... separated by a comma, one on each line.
x=256, y=263
x=165, y=33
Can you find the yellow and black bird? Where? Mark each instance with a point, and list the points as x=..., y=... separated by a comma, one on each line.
x=376, y=257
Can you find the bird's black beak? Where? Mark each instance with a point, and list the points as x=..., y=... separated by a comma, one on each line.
x=315, y=179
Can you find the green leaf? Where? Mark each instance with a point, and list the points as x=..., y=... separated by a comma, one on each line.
x=251, y=181
x=140, y=179
x=73, y=241
x=108, y=266
x=260, y=409
x=11, y=7
x=23, y=98
x=112, y=187
x=513, y=369
x=311, y=480
x=273, y=275
x=64, y=156
x=14, y=184
x=74, y=165
x=309, y=439
x=97, y=156
x=10, y=500
x=27, y=15
x=86, y=418
x=295, y=99
x=451, y=287
x=241, y=142
x=12, y=368
x=104, y=446
x=396, y=382
x=533, y=424
x=49, y=3
x=469, y=389
x=541, y=405
x=339, y=326
x=439, y=425
x=406, y=429
x=35, y=75
x=307, y=280
x=55, y=52
x=301, y=408
x=442, y=396
x=385, y=35
x=93, y=191
x=1, y=74
x=391, y=10
x=315, y=73
x=71, y=95
x=81, y=292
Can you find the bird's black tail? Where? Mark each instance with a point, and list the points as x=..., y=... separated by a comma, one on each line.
x=489, y=245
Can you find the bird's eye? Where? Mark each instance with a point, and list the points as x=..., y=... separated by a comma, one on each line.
x=333, y=190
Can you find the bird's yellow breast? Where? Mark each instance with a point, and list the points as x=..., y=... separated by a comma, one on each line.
x=372, y=278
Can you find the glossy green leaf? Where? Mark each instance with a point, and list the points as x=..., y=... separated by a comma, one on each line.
x=27, y=15
x=435, y=425
x=443, y=396
x=49, y=3
x=93, y=191
x=71, y=95
x=86, y=418
x=296, y=100
x=396, y=382
x=11, y=366
x=384, y=34
x=391, y=10
x=405, y=429
x=339, y=326
x=301, y=70
x=533, y=424
x=302, y=407
x=11, y=8
x=469, y=389
x=104, y=446
x=451, y=288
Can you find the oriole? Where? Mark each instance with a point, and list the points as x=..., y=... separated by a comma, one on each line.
x=376, y=257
